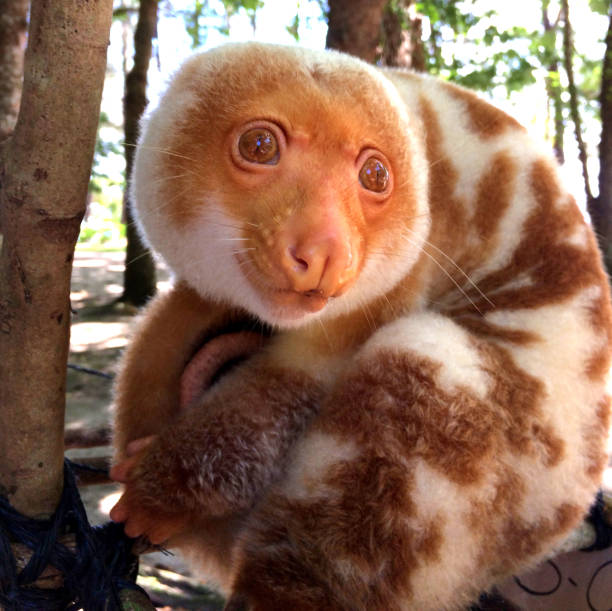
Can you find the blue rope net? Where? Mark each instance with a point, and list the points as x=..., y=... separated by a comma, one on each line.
x=93, y=574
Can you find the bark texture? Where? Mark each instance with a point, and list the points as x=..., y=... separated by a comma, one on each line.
x=354, y=27
x=600, y=208
x=13, y=24
x=139, y=281
x=402, y=43
x=568, y=55
x=44, y=175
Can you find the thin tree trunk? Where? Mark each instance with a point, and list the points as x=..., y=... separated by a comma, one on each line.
x=13, y=24
x=45, y=169
x=354, y=27
x=600, y=208
x=553, y=88
x=139, y=278
x=568, y=54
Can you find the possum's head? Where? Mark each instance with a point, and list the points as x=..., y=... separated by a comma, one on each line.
x=283, y=181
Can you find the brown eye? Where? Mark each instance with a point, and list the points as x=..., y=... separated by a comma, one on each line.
x=259, y=145
x=373, y=175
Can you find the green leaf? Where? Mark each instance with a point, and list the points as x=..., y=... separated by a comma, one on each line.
x=293, y=29
x=600, y=6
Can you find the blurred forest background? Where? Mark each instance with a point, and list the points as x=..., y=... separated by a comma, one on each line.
x=547, y=62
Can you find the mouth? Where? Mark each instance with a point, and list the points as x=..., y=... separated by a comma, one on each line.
x=285, y=302
x=307, y=302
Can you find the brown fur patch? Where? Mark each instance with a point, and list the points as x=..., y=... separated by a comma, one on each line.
x=518, y=539
x=558, y=269
x=509, y=491
x=553, y=446
x=518, y=395
x=521, y=539
x=428, y=547
x=594, y=436
x=354, y=545
x=600, y=316
x=598, y=365
x=494, y=195
x=487, y=330
x=451, y=431
x=485, y=120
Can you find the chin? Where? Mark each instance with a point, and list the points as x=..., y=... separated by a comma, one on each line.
x=289, y=313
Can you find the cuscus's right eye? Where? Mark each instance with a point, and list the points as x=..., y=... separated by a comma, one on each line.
x=374, y=176
x=259, y=145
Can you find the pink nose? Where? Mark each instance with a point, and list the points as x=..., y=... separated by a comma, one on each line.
x=318, y=263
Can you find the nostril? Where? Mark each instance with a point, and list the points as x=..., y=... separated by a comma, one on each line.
x=302, y=264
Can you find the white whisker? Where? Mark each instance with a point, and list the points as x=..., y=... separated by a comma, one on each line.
x=240, y=251
x=327, y=338
x=446, y=273
x=140, y=256
x=450, y=260
x=160, y=150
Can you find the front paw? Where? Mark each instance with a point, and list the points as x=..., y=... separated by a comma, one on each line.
x=144, y=512
x=150, y=522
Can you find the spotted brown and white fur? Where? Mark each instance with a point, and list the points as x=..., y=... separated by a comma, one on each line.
x=429, y=414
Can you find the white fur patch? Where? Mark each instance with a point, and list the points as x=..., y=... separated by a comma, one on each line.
x=438, y=499
x=314, y=456
x=438, y=339
x=579, y=238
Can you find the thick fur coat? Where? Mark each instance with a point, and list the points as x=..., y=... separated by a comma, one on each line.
x=429, y=412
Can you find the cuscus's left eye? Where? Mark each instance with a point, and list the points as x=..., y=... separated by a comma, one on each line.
x=259, y=145
x=374, y=175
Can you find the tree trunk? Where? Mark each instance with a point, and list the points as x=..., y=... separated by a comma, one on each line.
x=600, y=208
x=568, y=55
x=44, y=170
x=402, y=43
x=354, y=27
x=13, y=24
x=139, y=278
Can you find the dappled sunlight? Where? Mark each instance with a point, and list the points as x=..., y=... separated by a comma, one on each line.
x=114, y=289
x=607, y=479
x=90, y=261
x=116, y=267
x=79, y=295
x=107, y=502
x=77, y=424
x=98, y=335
